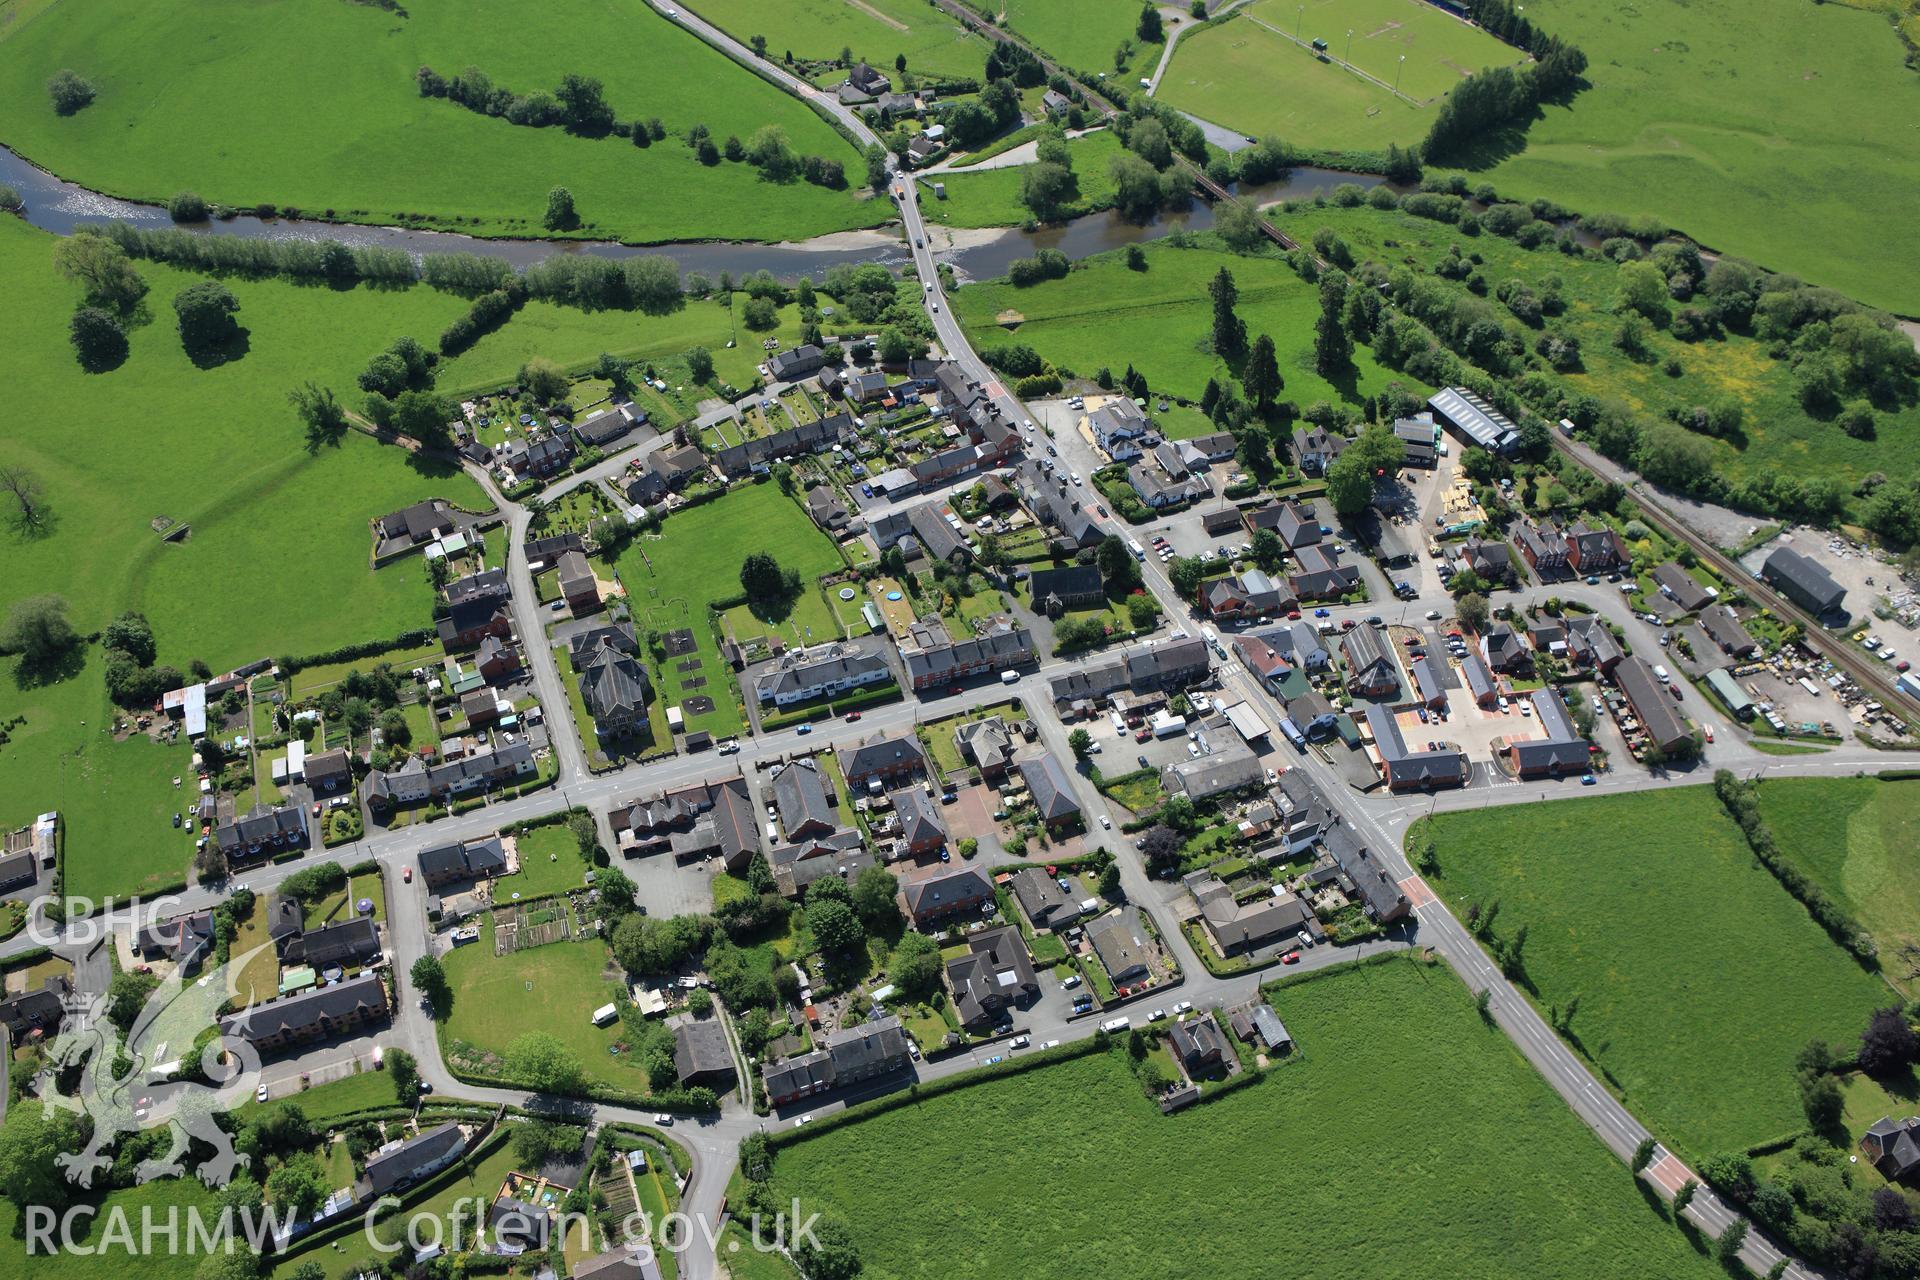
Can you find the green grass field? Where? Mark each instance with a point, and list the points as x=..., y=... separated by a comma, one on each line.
x=1698, y=977
x=991, y=197
x=216, y=449
x=554, y=988
x=1083, y=34
x=348, y=130
x=1773, y=129
x=361, y=1091
x=1160, y=320
x=109, y=1249
x=1779, y=435
x=1440, y=49
x=1856, y=837
x=671, y=580
x=1242, y=75
x=877, y=31
x=1343, y=1161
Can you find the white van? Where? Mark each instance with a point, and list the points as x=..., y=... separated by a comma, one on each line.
x=1112, y=1025
x=1009, y=677
x=1666, y=677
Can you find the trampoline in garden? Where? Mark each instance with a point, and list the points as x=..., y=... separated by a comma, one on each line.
x=846, y=593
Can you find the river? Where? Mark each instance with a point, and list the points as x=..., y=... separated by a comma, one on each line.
x=55, y=205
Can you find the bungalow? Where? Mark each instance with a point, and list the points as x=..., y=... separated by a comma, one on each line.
x=922, y=148
x=1047, y=905
x=400, y=1164
x=1504, y=651
x=518, y=1227
x=1591, y=550
x=1315, y=448
x=1407, y=770
x=576, y=583
x=312, y=1015
x=412, y=527
x=824, y=671
x=868, y=80
x=184, y=939
x=1802, y=581
x=1723, y=626
x=1120, y=943
x=603, y=428
x=1077, y=586
x=1258, y=1022
x=702, y=1058
x=1371, y=670
x=263, y=831
x=1118, y=427
x=1322, y=575
x=831, y=514
x=940, y=892
x=1197, y=1042
x=1052, y=790
x=445, y=864
x=1238, y=927
x=1681, y=587
x=1160, y=489
x=994, y=975
x=1559, y=751
x=933, y=660
x=987, y=743
x=1251, y=595
x=839, y=853
x=1232, y=767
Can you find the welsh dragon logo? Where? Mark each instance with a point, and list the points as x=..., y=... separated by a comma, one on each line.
x=129, y=1085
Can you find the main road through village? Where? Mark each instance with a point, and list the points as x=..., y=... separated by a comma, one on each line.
x=1380, y=818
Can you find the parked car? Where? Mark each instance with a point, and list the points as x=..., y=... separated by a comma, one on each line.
x=852, y=716
x=406, y=874
x=1292, y=957
x=804, y=729
x=1069, y=982
x=1323, y=613
x=1020, y=1042
x=1588, y=780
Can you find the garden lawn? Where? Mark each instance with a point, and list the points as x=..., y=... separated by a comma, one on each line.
x=670, y=581
x=1856, y=837
x=260, y=979
x=549, y=863
x=160, y=1199
x=1779, y=436
x=554, y=988
x=1250, y=79
x=1367, y=1153
x=991, y=197
x=1653, y=912
x=1160, y=320
x=362, y=1091
x=352, y=134
x=878, y=31
x=1771, y=129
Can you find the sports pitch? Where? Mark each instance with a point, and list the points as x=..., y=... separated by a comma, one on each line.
x=1251, y=74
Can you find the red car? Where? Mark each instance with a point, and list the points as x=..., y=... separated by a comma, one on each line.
x=406, y=874
x=852, y=716
x=1293, y=615
x=1144, y=735
x=1292, y=957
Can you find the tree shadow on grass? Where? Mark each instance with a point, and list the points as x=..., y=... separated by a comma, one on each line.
x=433, y=465
x=37, y=673
x=213, y=355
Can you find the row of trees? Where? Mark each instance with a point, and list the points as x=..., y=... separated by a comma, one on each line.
x=578, y=104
